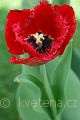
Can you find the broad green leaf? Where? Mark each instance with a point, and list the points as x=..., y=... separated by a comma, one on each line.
x=30, y=3
x=72, y=110
x=51, y=67
x=28, y=96
x=35, y=70
x=22, y=78
x=76, y=44
x=76, y=38
x=32, y=70
x=76, y=5
x=76, y=62
x=60, y=75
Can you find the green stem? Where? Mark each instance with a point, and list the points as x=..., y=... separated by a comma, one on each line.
x=24, y=68
x=24, y=71
x=48, y=90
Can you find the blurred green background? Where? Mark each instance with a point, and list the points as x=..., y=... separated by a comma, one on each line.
x=8, y=72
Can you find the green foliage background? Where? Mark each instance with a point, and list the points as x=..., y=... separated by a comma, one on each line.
x=8, y=72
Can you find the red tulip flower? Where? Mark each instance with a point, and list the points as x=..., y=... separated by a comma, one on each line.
x=43, y=32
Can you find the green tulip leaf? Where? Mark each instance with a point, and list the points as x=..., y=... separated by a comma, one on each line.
x=76, y=62
x=72, y=109
x=29, y=107
x=60, y=75
x=22, y=78
x=32, y=70
x=51, y=67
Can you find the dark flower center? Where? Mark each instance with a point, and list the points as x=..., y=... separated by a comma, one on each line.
x=42, y=43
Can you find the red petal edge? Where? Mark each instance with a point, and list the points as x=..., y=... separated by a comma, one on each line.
x=15, y=17
x=27, y=61
x=68, y=14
